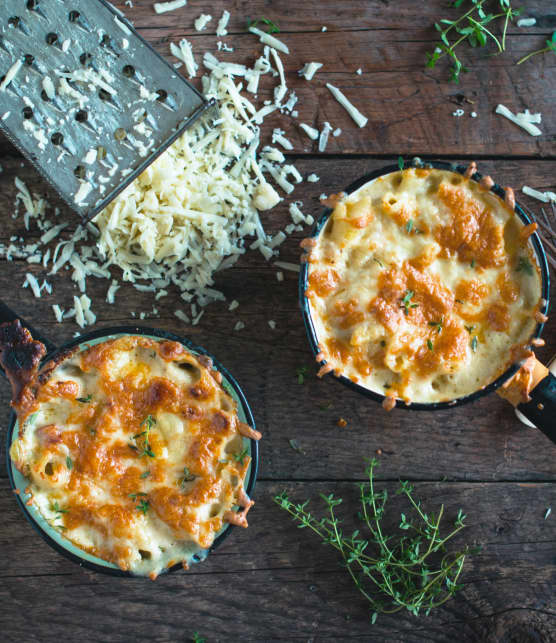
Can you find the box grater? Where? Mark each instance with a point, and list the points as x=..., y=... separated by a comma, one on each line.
x=86, y=99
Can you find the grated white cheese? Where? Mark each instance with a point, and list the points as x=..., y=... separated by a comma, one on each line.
x=359, y=71
x=11, y=74
x=313, y=178
x=182, y=316
x=163, y=7
x=202, y=21
x=110, y=295
x=278, y=137
x=58, y=313
x=458, y=113
x=309, y=70
x=522, y=121
x=233, y=305
x=311, y=132
x=184, y=53
x=355, y=114
x=239, y=326
x=545, y=197
x=30, y=280
x=222, y=24
x=272, y=324
x=324, y=134
x=267, y=39
x=280, y=276
x=526, y=22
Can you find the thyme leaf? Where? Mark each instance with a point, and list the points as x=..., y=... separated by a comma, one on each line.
x=406, y=302
x=393, y=571
x=85, y=400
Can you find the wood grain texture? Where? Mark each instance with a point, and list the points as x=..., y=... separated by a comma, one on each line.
x=273, y=582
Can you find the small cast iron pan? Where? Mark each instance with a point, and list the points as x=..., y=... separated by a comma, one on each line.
x=18, y=482
x=541, y=410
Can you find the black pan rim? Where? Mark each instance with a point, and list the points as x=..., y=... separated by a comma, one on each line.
x=378, y=397
x=162, y=334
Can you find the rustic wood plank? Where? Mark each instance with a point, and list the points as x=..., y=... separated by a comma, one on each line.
x=410, y=108
x=479, y=442
x=274, y=582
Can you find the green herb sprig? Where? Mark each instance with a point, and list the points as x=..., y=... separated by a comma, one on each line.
x=406, y=302
x=473, y=26
x=85, y=400
x=524, y=265
x=550, y=46
x=410, y=571
x=240, y=457
x=301, y=372
x=272, y=26
x=145, y=447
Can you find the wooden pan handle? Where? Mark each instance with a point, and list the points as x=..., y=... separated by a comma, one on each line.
x=532, y=390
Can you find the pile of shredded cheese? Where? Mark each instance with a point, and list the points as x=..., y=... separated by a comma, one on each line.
x=192, y=211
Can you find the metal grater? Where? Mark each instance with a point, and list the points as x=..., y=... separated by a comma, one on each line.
x=90, y=103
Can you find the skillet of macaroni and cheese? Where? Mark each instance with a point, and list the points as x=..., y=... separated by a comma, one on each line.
x=422, y=286
x=132, y=447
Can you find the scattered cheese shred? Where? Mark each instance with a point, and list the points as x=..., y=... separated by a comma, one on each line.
x=202, y=21
x=311, y=132
x=267, y=39
x=222, y=24
x=309, y=70
x=184, y=52
x=163, y=7
x=12, y=73
x=545, y=197
x=357, y=116
x=522, y=120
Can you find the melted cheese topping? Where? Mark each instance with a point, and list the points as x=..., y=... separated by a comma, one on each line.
x=420, y=285
x=133, y=449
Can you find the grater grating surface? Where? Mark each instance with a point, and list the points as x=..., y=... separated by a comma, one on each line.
x=86, y=99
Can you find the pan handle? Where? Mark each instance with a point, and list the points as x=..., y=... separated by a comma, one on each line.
x=8, y=315
x=541, y=409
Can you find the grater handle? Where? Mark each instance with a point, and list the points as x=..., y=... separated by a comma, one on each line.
x=8, y=315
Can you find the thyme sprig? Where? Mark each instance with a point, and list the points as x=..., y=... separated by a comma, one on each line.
x=144, y=438
x=412, y=571
x=472, y=27
x=550, y=46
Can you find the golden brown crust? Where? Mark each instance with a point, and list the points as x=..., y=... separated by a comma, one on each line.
x=20, y=357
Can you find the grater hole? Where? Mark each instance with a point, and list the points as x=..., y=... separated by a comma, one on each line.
x=80, y=172
x=27, y=112
x=74, y=16
x=51, y=38
x=162, y=95
x=45, y=96
x=104, y=95
x=29, y=59
x=57, y=138
x=81, y=116
x=129, y=71
x=14, y=21
x=120, y=134
x=105, y=41
x=32, y=4
x=85, y=59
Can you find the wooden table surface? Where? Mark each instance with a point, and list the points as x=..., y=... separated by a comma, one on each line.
x=273, y=582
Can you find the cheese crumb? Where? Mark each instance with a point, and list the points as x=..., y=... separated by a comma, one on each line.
x=222, y=24
x=163, y=7
x=355, y=114
x=202, y=21
x=313, y=178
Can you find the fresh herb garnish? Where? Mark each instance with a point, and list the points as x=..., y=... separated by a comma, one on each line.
x=143, y=506
x=429, y=344
x=56, y=508
x=144, y=444
x=406, y=302
x=186, y=477
x=31, y=419
x=401, y=163
x=413, y=571
x=378, y=261
x=439, y=325
x=469, y=329
x=85, y=400
x=325, y=407
x=301, y=372
x=69, y=463
x=272, y=26
x=239, y=457
x=474, y=343
x=197, y=638
x=145, y=474
x=524, y=265
x=295, y=446
x=471, y=27
x=472, y=263
x=409, y=226
x=550, y=46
